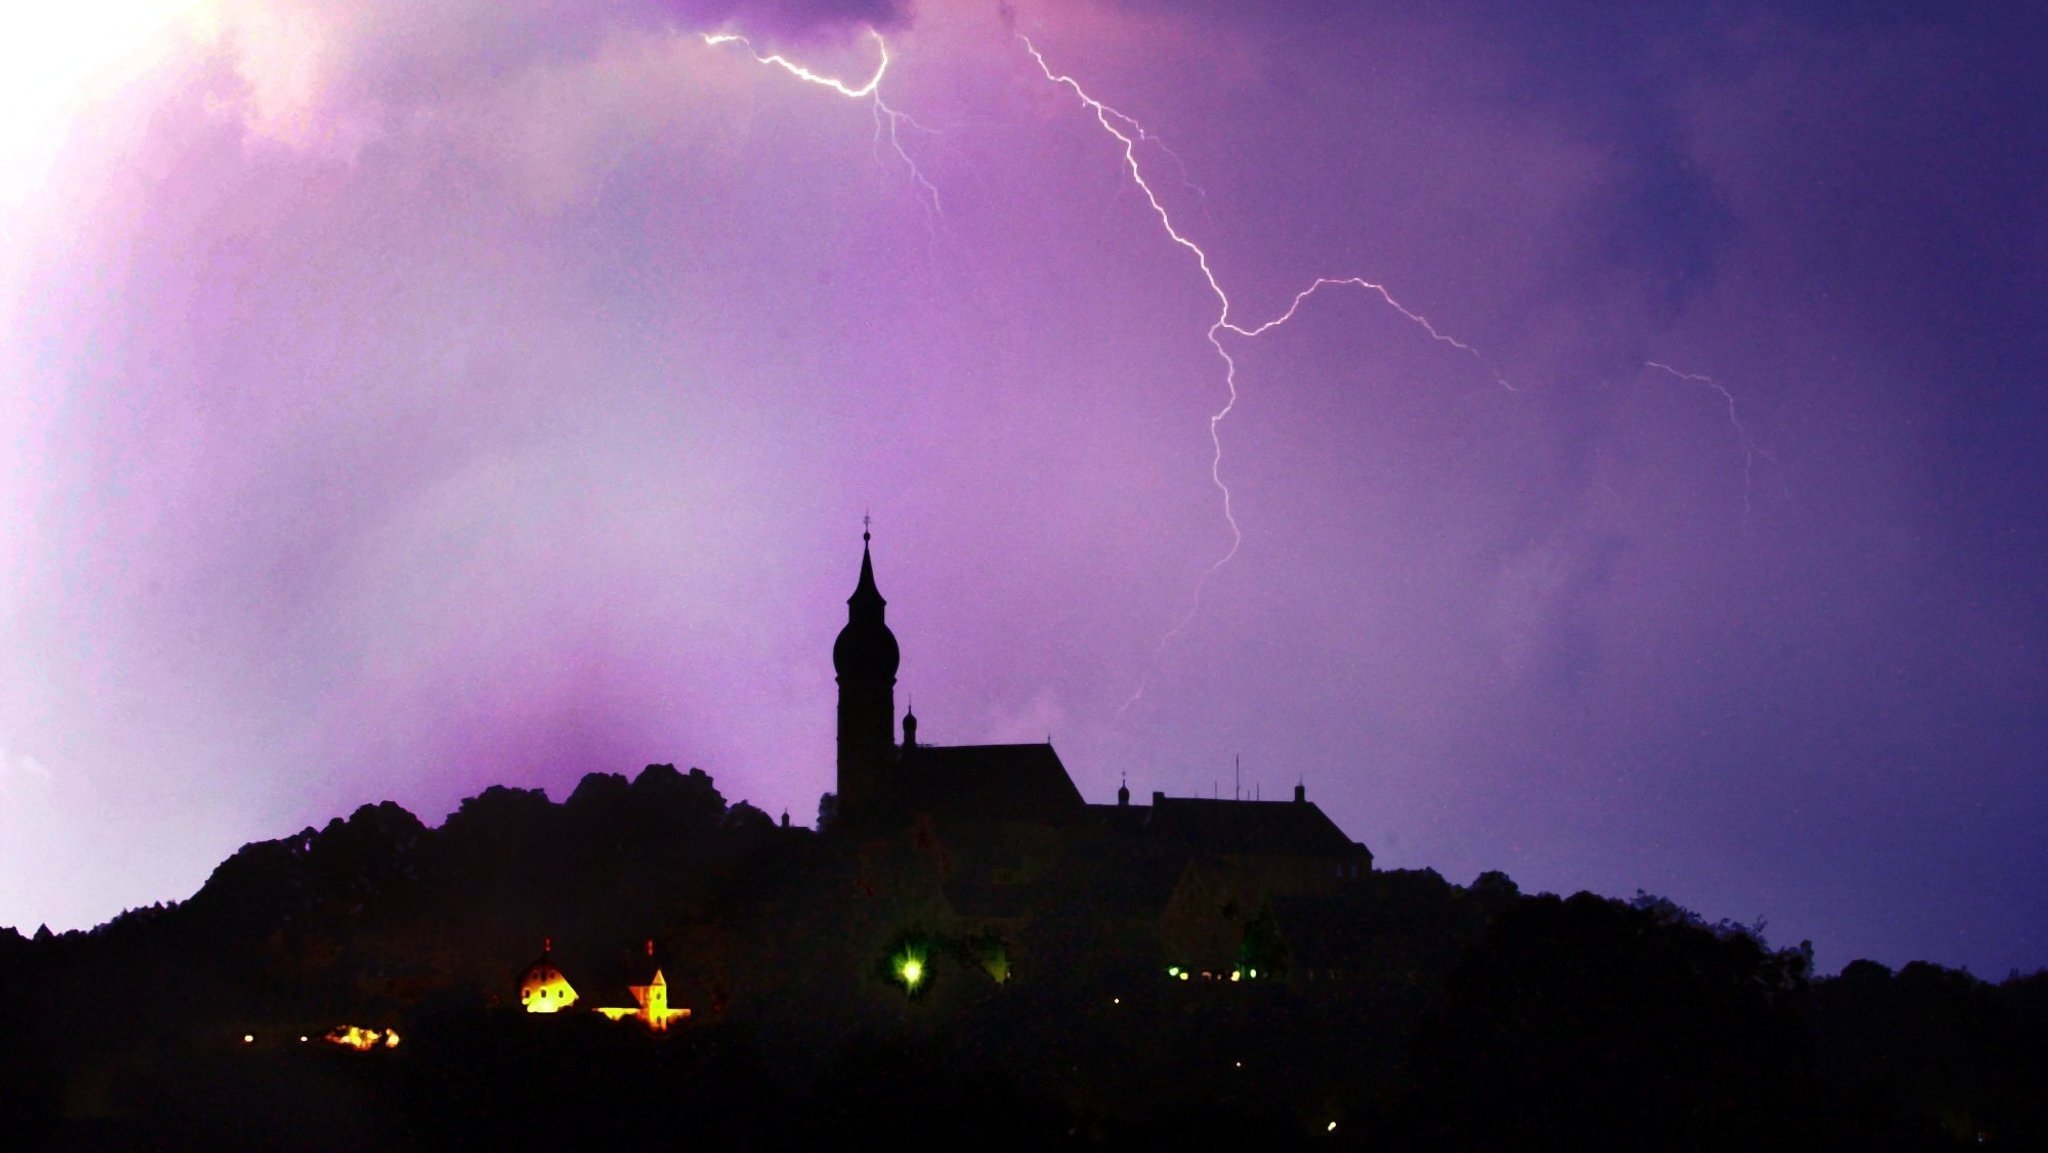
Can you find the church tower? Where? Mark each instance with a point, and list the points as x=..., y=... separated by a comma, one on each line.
x=865, y=657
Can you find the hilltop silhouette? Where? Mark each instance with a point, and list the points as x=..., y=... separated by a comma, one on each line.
x=965, y=952
x=1462, y=1017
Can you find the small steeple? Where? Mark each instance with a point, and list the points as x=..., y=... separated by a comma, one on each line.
x=1123, y=791
x=865, y=606
x=866, y=648
x=866, y=597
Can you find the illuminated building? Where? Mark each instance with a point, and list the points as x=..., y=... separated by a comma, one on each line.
x=650, y=1000
x=542, y=988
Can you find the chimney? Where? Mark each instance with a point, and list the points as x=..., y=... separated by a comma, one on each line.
x=1158, y=798
x=1300, y=794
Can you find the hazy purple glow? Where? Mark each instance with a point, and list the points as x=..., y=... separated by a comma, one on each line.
x=402, y=403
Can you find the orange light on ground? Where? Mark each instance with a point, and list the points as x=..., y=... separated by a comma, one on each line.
x=360, y=1039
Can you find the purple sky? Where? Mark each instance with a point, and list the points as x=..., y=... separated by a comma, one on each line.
x=402, y=398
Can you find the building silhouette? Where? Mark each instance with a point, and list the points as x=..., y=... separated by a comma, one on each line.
x=1200, y=875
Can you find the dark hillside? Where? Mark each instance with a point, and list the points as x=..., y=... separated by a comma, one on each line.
x=1394, y=1011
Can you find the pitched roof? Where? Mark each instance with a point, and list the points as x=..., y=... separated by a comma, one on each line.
x=989, y=783
x=1246, y=828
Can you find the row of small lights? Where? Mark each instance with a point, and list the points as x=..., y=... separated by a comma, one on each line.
x=388, y=1038
x=1247, y=974
x=910, y=970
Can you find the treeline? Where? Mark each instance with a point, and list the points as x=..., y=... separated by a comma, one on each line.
x=1464, y=1017
x=375, y=919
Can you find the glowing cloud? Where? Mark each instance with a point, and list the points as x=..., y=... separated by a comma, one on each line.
x=889, y=121
x=54, y=57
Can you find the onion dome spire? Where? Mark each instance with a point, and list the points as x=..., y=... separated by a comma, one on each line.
x=866, y=649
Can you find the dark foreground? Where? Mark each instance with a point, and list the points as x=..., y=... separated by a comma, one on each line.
x=1393, y=1011
x=1582, y=1023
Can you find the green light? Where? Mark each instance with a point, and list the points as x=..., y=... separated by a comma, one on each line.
x=1173, y=970
x=912, y=971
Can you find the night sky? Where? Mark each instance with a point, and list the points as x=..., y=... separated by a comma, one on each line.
x=404, y=398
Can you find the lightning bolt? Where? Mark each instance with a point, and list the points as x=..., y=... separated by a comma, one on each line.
x=1129, y=133
x=889, y=121
x=1750, y=450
